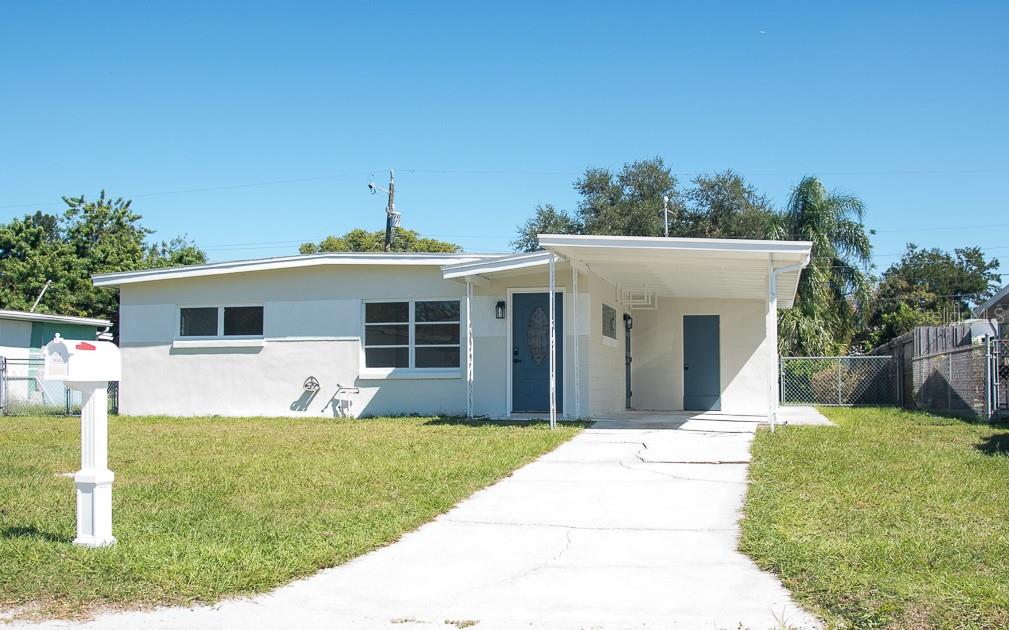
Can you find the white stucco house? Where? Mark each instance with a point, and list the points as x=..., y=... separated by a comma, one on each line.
x=642, y=323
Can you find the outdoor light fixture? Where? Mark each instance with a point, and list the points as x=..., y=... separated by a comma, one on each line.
x=628, y=321
x=499, y=310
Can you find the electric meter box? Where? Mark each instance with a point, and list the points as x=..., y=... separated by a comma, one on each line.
x=78, y=360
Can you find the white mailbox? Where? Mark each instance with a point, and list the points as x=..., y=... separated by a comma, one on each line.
x=80, y=361
x=88, y=366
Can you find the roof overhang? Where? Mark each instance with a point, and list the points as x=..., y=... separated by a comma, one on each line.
x=985, y=310
x=285, y=262
x=687, y=267
x=498, y=266
x=55, y=319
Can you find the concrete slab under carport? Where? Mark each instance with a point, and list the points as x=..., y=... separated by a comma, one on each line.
x=623, y=526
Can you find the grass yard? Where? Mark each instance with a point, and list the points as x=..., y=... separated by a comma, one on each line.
x=891, y=519
x=204, y=508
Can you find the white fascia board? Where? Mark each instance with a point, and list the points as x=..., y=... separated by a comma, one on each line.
x=286, y=262
x=494, y=265
x=998, y=297
x=548, y=241
x=56, y=319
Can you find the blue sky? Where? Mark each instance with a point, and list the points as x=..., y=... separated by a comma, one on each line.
x=488, y=110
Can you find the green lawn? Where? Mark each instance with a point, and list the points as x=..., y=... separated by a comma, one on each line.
x=204, y=508
x=889, y=520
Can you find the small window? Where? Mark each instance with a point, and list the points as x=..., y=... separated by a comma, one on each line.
x=418, y=334
x=609, y=322
x=198, y=322
x=221, y=321
x=243, y=320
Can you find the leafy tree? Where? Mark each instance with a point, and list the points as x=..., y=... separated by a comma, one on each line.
x=928, y=287
x=724, y=205
x=359, y=240
x=630, y=203
x=546, y=220
x=627, y=203
x=99, y=236
x=824, y=318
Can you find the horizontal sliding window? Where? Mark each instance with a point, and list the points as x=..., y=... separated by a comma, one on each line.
x=221, y=321
x=243, y=320
x=198, y=322
x=412, y=334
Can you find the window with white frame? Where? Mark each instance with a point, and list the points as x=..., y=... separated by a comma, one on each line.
x=422, y=334
x=220, y=321
x=609, y=321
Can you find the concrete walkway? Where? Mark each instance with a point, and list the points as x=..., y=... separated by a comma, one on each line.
x=632, y=524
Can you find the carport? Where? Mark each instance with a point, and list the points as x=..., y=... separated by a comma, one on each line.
x=683, y=289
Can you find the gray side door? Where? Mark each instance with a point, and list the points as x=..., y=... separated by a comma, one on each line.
x=702, y=387
x=531, y=352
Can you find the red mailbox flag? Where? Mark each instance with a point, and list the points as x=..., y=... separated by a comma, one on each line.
x=84, y=346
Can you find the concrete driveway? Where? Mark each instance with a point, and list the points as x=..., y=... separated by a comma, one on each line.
x=632, y=524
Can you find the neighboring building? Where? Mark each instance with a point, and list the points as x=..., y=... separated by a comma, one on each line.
x=648, y=323
x=997, y=308
x=22, y=336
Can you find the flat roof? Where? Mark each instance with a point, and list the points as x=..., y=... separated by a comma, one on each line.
x=56, y=319
x=715, y=268
x=284, y=262
x=665, y=267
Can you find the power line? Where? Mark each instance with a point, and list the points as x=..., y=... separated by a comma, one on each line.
x=432, y=171
x=206, y=188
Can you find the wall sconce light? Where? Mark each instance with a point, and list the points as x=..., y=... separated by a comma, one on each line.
x=499, y=310
x=628, y=321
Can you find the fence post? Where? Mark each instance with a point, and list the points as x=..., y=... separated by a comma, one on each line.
x=838, y=380
x=989, y=414
x=949, y=381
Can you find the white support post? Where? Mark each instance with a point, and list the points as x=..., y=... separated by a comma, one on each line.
x=94, y=479
x=553, y=345
x=771, y=328
x=574, y=339
x=469, y=347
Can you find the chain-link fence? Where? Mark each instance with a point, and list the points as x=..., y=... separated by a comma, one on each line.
x=1000, y=374
x=846, y=380
x=23, y=391
x=968, y=381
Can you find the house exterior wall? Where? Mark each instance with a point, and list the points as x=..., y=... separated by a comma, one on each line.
x=606, y=378
x=313, y=324
x=745, y=354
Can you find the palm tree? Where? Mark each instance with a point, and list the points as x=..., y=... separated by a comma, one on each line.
x=824, y=318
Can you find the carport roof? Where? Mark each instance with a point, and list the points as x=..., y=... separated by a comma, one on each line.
x=666, y=267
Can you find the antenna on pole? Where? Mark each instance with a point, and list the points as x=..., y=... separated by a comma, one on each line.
x=39, y=298
x=665, y=214
x=391, y=216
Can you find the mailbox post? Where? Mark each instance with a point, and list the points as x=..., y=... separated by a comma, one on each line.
x=88, y=366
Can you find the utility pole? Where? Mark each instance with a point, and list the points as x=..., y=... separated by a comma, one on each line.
x=391, y=218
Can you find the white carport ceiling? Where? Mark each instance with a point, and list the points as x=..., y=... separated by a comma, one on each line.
x=680, y=267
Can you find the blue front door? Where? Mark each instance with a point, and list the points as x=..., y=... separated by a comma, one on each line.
x=531, y=351
x=702, y=386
